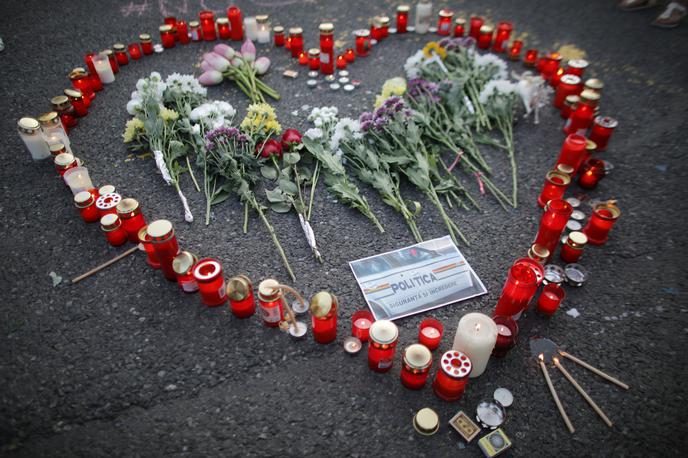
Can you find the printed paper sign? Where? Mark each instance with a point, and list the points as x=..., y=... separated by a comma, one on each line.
x=411, y=280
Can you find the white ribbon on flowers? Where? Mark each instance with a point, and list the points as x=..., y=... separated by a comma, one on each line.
x=188, y=217
x=160, y=163
x=310, y=235
x=469, y=104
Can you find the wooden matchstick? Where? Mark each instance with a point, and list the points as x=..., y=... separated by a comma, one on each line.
x=593, y=369
x=105, y=264
x=582, y=392
x=569, y=425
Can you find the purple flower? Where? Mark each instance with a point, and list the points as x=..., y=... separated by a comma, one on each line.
x=365, y=116
x=380, y=123
x=366, y=125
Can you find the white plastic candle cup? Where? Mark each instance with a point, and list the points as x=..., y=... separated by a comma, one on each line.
x=78, y=179
x=103, y=68
x=30, y=133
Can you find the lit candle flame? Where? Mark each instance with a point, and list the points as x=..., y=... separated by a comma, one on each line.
x=541, y=356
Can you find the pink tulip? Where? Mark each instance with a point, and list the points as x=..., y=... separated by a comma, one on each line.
x=237, y=62
x=248, y=51
x=262, y=64
x=224, y=50
x=216, y=61
x=205, y=66
x=210, y=78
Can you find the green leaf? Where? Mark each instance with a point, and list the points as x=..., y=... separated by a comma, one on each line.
x=220, y=197
x=288, y=187
x=291, y=158
x=280, y=207
x=275, y=195
x=268, y=172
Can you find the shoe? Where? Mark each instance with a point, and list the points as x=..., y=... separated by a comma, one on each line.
x=671, y=17
x=636, y=5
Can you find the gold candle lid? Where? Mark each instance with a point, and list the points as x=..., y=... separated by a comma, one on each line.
x=403, y=8
x=183, y=263
x=239, y=288
x=278, y=29
x=64, y=159
x=577, y=239
x=83, y=199
x=460, y=21
x=486, y=28
x=326, y=28
x=160, y=230
x=144, y=37
x=28, y=125
x=426, y=421
x=119, y=47
x=417, y=356
x=295, y=31
x=383, y=332
x=446, y=13
x=110, y=222
x=267, y=290
x=222, y=20
x=538, y=252
x=165, y=28
x=262, y=18
x=73, y=93
x=322, y=303
x=313, y=52
x=59, y=102
x=384, y=20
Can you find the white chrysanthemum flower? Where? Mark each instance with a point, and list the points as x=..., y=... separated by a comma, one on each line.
x=494, y=87
x=314, y=133
x=134, y=106
x=345, y=129
x=491, y=61
x=412, y=65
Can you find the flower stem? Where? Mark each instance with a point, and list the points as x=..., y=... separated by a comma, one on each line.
x=316, y=175
x=271, y=230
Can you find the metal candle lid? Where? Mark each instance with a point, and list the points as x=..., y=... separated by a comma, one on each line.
x=267, y=291
x=490, y=414
x=51, y=117
x=570, y=79
x=575, y=203
x=578, y=63
x=417, y=356
x=107, y=189
x=295, y=31
x=554, y=274
x=403, y=8
x=322, y=303
x=446, y=13
x=158, y=230
x=239, y=287
x=128, y=207
x=426, y=421
x=578, y=215
x=577, y=239
x=352, y=345
x=595, y=84
x=110, y=222
x=456, y=364
x=538, y=252
x=298, y=331
x=145, y=38
x=504, y=397
x=607, y=122
x=576, y=274
x=565, y=169
x=83, y=199
x=384, y=332
x=28, y=125
x=206, y=269
x=326, y=28
x=573, y=225
x=183, y=263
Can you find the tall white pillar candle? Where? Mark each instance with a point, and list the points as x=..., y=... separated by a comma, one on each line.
x=423, y=16
x=476, y=336
x=251, y=28
x=103, y=68
x=30, y=133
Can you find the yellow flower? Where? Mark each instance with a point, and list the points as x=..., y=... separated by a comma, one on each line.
x=260, y=119
x=392, y=87
x=168, y=115
x=434, y=48
x=132, y=128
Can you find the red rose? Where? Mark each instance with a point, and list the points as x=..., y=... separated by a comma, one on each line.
x=269, y=148
x=290, y=139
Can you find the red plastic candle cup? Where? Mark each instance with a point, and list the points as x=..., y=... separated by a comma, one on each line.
x=502, y=36
x=570, y=104
x=362, y=42
x=166, y=36
x=172, y=22
x=550, y=299
x=507, y=335
x=591, y=173
x=82, y=82
x=129, y=212
x=95, y=82
x=459, y=27
x=327, y=49
x=207, y=20
x=601, y=132
x=270, y=301
x=134, y=51
x=530, y=290
x=278, y=36
x=313, y=59
x=113, y=61
x=303, y=58
x=240, y=294
x=350, y=55
x=452, y=376
x=107, y=203
x=430, y=333
x=415, y=367
x=568, y=85
x=556, y=78
x=552, y=224
x=515, y=50
x=583, y=116
x=534, y=264
x=476, y=23
x=211, y=282
x=324, y=307
x=120, y=52
x=485, y=37
x=183, y=265
x=604, y=215
x=78, y=101
x=183, y=33
x=530, y=58
x=112, y=228
x=444, y=22
x=384, y=26
x=572, y=151
x=572, y=250
x=223, y=28
x=341, y=62
x=376, y=29
x=296, y=41
x=236, y=23
x=520, y=285
x=555, y=186
x=576, y=67
x=146, y=45
x=88, y=59
x=165, y=245
x=151, y=257
x=86, y=205
x=196, y=34
x=360, y=324
x=402, y=18
x=383, y=336
x=549, y=64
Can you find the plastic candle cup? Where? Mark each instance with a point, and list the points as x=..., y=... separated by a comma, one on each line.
x=30, y=133
x=402, y=18
x=383, y=335
x=591, y=173
x=196, y=33
x=556, y=78
x=507, y=335
x=211, y=282
x=476, y=23
x=555, y=186
x=375, y=26
x=223, y=28
x=236, y=23
x=86, y=205
x=549, y=64
x=183, y=265
x=515, y=50
x=278, y=35
x=165, y=245
x=362, y=42
x=120, y=52
x=111, y=58
x=485, y=37
x=502, y=36
x=240, y=293
x=63, y=107
x=324, y=307
x=93, y=74
x=583, y=116
x=207, y=20
x=530, y=58
x=350, y=55
x=172, y=22
x=602, y=130
x=270, y=301
x=604, y=215
x=183, y=33
x=539, y=271
x=572, y=151
x=134, y=51
x=313, y=59
x=296, y=41
x=327, y=48
x=452, y=376
x=341, y=62
x=303, y=58
x=360, y=324
x=430, y=333
x=568, y=85
x=251, y=28
x=520, y=285
x=166, y=36
x=459, y=27
x=415, y=368
x=263, y=29
x=129, y=212
x=423, y=16
x=538, y=253
x=550, y=299
x=78, y=180
x=576, y=67
x=384, y=26
x=572, y=250
x=64, y=162
x=552, y=224
x=146, y=44
x=82, y=82
x=444, y=22
x=475, y=337
x=151, y=257
x=112, y=228
x=103, y=68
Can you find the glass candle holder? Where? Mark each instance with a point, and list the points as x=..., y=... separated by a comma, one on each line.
x=485, y=37
x=183, y=32
x=82, y=82
x=263, y=28
x=475, y=23
x=572, y=151
x=602, y=130
x=572, y=250
x=517, y=291
x=64, y=162
x=349, y=55
x=78, y=102
x=536, y=266
x=240, y=294
x=207, y=20
x=151, y=257
x=30, y=133
x=270, y=301
x=361, y=321
x=549, y=64
x=183, y=265
x=556, y=78
x=538, y=253
x=223, y=28
x=576, y=67
x=196, y=32
x=86, y=204
x=146, y=44
x=568, y=85
x=515, y=50
x=604, y=215
x=507, y=335
x=103, y=68
x=278, y=36
x=591, y=173
x=444, y=22
x=327, y=48
x=129, y=212
x=452, y=376
x=134, y=51
x=78, y=180
x=459, y=27
x=550, y=299
x=112, y=228
x=120, y=52
x=362, y=42
x=383, y=336
x=402, y=18
x=251, y=28
x=430, y=333
x=555, y=186
x=324, y=307
x=423, y=16
x=107, y=203
x=552, y=224
x=172, y=22
x=296, y=41
x=303, y=59
x=211, y=282
x=236, y=23
x=384, y=27
x=582, y=117
x=416, y=364
x=165, y=245
x=65, y=111
x=313, y=59
x=502, y=36
x=341, y=62
x=530, y=58
x=570, y=104
x=166, y=36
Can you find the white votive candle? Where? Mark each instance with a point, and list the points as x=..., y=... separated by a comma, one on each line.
x=476, y=336
x=251, y=28
x=30, y=133
x=103, y=68
x=78, y=179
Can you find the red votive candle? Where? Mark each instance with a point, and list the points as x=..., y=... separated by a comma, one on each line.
x=383, y=335
x=313, y=59
x=552, y=224
x=485, y=37
x=502, y=36
x=572, y=151
x=236, y=23
x=550, y=299
x=166, y=36
x=240, y=294
x=517, y=291
x=183, y=33
x=78, y=101
x=93, y=74
x=591, y=173
x=183, y=265
x=303, y=59
x=452, y=376
x=538, y=253
x=576, y=67
x=172, y=22
x=129, y=212
x=402, y=18
x=602, y=130
x=568, y=85
x=530, y=58
x=362, y=42
x=120, y=52
x=360, y=324
x=113, y=61
x=375, y=29
x=507, y=334
x=86, y=205
x=430, y=333
x=165, y=245
x=207, y=20
x=327, y=48
x=570, y=104
x=324, y=307
x=584, y=114
x=82, y=82
x=416, y=365
x=604, y=215
x=341, y=62
x=384, y=26
x=444, y=22
x=196, y=33
x=107, y=203
x=278, y=36
x=296, y=41
x=349, y=55
x=572, y=250
x=223, y=28
x=211, y=282
x=145, y=239
x=549, y=64
x=555, y=186
x=475, y=23
x=556, y=78
x=515, y=50
x=146, y=45
x=112, y=228
x=459, y=27
x=135, y=51
x=270, y=301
